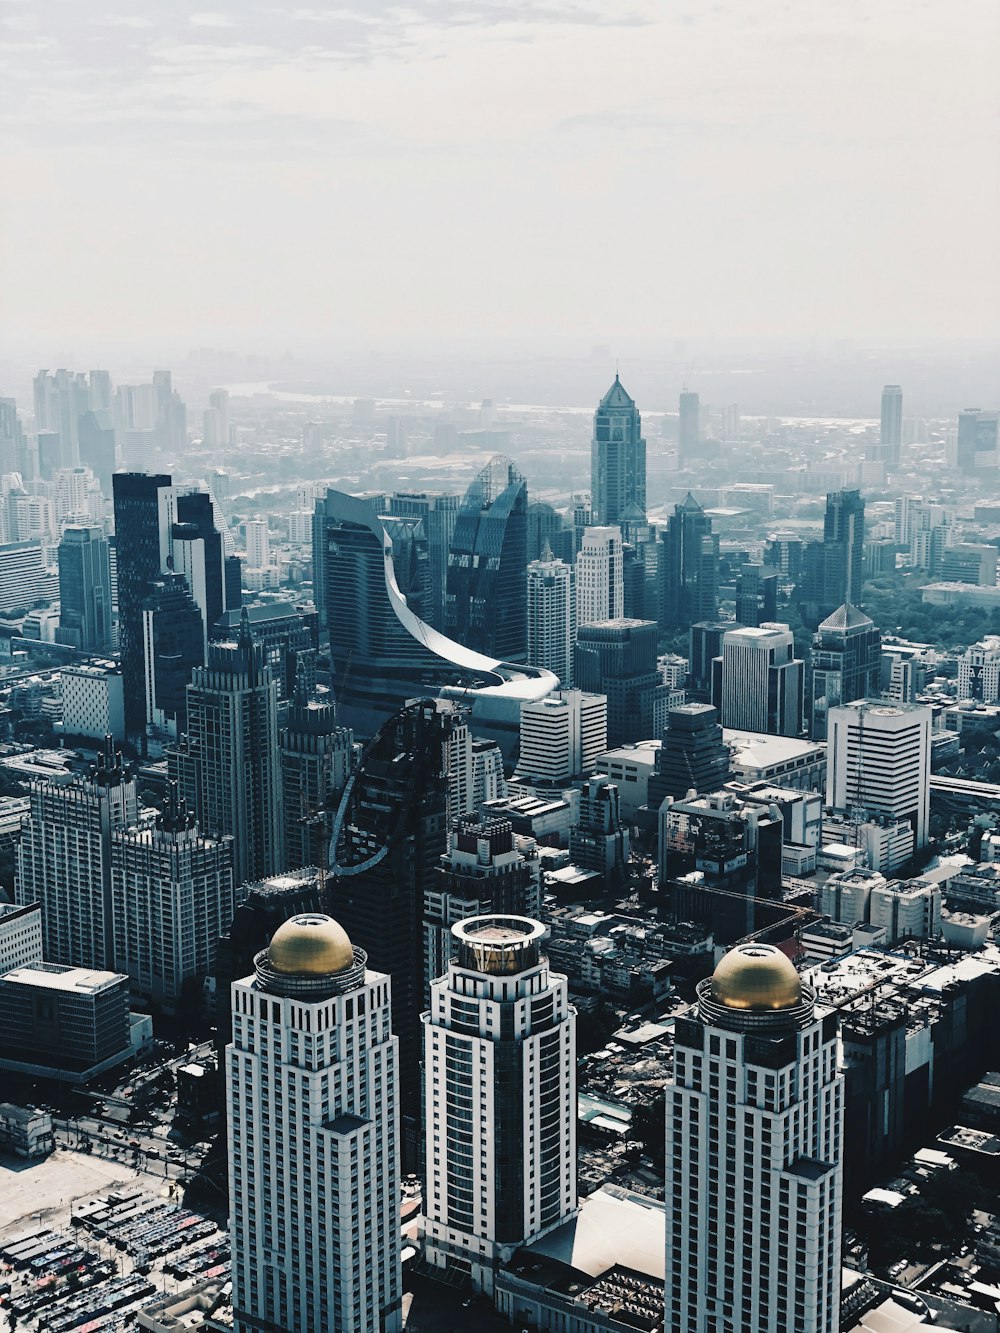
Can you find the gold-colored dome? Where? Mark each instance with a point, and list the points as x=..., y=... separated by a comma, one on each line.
x=310, y=945
x=757, y=977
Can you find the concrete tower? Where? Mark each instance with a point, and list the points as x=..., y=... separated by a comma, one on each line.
x=312, y=1116
x=754, y=1149
x=551, y=615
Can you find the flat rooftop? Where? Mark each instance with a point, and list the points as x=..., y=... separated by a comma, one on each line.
x=55, y=976
x=760, y=750
x=613, y=1226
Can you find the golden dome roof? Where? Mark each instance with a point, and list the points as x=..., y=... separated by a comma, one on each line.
x=757, y=977
x=310, y=945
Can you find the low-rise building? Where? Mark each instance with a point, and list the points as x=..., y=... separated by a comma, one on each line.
x=20, y=936
x=69, y=1023
x=93, y=700
x=25, y=1131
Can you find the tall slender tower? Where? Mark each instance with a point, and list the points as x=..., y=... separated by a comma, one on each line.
x=689, y=426
x=316, y=757
x=84, y=589
x=144, y=518
x=618, y=461
x=754, y=1148
x=891, y=432
x=227, y=766
x=690, y=567
x=844, y=522
x=312, y=1121
x=500, y=1099
x=551, y=616
x=64, y=859
x=845, y=664
x=600, y=578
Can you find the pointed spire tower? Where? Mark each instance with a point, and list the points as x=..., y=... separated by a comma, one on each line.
x=618, y=460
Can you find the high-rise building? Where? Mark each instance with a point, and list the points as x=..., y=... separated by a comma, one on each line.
x=227, y=765
x=172, y=897
x=845, y=665
x=390, y=831
x=688, y=426
x=690, y=567
x=316, y=760
x=173, y=642
x=617, y=658
x=486, y=606
x=599, y=841
x=382, y=654
x=891, y=425
x=198, y=545
x=500, y=1099
x=12, y=441
x=312, y=1120
x=64, y=859
x=705, y=639
x=756, y=594
x=438, y=512
x=84, y=589
x=258, y=543
x=977, y=441
x=754, y=1152
x=61, y=398
x=844, y=523
x=562, y=736
x=878, y=762
x=24, y=577
x=547, y=527
x=551, y=616
x=759, y=682
x=618, y=461
x=979, y=671
x=487, y=868
x=144, y=518
x=600, y=590
x=215, y=420
x=693, y=755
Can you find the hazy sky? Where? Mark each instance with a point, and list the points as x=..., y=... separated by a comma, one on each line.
x=263, y=176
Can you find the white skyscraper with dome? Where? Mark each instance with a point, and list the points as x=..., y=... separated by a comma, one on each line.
x=754, y=1145
x=313, y=1130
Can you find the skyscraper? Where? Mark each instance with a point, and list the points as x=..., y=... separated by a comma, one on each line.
x=438, y=513
x=390, y=831
x=227, y=766
x=599, y=841
x=690, y=567
x=692, y=757
x=198, y=552
x=756, y=594
x=546, y=526
x=500, y=1099
x=844, y=522
x=485, y=606
x=845, y=665
x=600, y=589
x=759, y=682
x=84, y=589
x=312, y=1117
x=61, y=398
x=551, y=616
x=754, y=1150
x=618, y=461
x=144, y=516
x=173, y=645
x=618, y=658
x=316, y=760
x=64, y=859
x=878, y=762
x=891, y=425
x=689, y=427
x=172, y=896
x=562, y=737
x=977, y=441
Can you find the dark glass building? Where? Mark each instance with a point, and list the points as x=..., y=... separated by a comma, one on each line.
x=174, y=645
x=289, y=633
x=97, y=447
x=833, y=569
x=692, y=757
x=690, y=567
x=486, y=605
x=618, y=462
x=845, y=665
x=618, y=658
x=143, y=514
x=84, y=589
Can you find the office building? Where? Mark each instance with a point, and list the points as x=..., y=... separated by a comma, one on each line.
x=878, y=762
x=754, y=1151
x=312, y=1120
x=172, y=896
x=61, y=398
x=758, y=682
x=486, y=606
x=977, y=441
x=486, y=868
x=390, y=831
x=600, y=591
x=979, y=671
x=64, y=859
x=144, y=516
x=84, y=589
x=551, y=616
x=438, y=513
x=692, y=757
x=690, y=567
x=906, y=910
x=20, y=935
x=24, y=577
x=833, y=569
x=227, y=765
x=756, y=594
x=316, y=756
x=705, y=639
x=63, y=1022
x=547, y=527
x=617, y=658
x=258, y=543
x=891, y=425
x=845, y=665
x=500, y=1057
x=973, y=563
x=561, y=737
x=93, y=700
x=198, y=545
x=289, y=634
x=215, y=420
x=618, y=462
x=599, y=841
x=383, y=655
x=173, y=645
x=689, y=427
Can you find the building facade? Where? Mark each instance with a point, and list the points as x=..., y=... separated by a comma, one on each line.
x=878, y=762
x=618, y=462
x=551, y=616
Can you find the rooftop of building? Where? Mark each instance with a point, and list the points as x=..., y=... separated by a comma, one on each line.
x=59, y=977
x=761, y=750
x=612, y=1227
